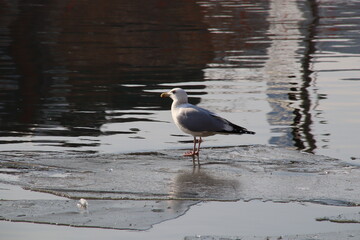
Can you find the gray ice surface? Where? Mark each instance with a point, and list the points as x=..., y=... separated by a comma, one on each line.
x=343, y=218
x=136, y=191
x=346, y=235
x=125, y=214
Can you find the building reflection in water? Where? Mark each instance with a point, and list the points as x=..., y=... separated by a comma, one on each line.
x=269, y=41
x=292, y=25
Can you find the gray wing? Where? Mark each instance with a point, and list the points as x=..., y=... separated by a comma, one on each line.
x=197, y=119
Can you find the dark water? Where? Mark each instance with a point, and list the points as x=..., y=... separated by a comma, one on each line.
x=86, y=75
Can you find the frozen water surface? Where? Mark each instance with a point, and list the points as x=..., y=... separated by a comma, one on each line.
x=232, y=173
x=165, y=184
x=125, y=214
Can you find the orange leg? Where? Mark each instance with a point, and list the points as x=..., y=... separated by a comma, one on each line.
x=195, y=151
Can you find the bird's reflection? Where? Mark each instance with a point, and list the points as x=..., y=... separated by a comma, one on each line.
x=196, y=161
x=202, y=184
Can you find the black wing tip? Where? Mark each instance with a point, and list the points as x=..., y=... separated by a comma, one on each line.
x=249, y=132
x=240, y=130
x=243, y=131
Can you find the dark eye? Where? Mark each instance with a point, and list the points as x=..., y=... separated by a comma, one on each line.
x=173, y=91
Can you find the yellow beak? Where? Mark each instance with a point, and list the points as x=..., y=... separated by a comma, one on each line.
x=165, y=94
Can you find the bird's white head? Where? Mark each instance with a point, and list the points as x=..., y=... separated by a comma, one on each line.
x=177, y=95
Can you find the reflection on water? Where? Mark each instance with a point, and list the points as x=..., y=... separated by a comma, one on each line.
x=70, y=67
x=198, y=184
x=85, y=75
x=288, y=87
x=335, y=72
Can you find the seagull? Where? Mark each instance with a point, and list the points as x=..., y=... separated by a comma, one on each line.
x=198, y=121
